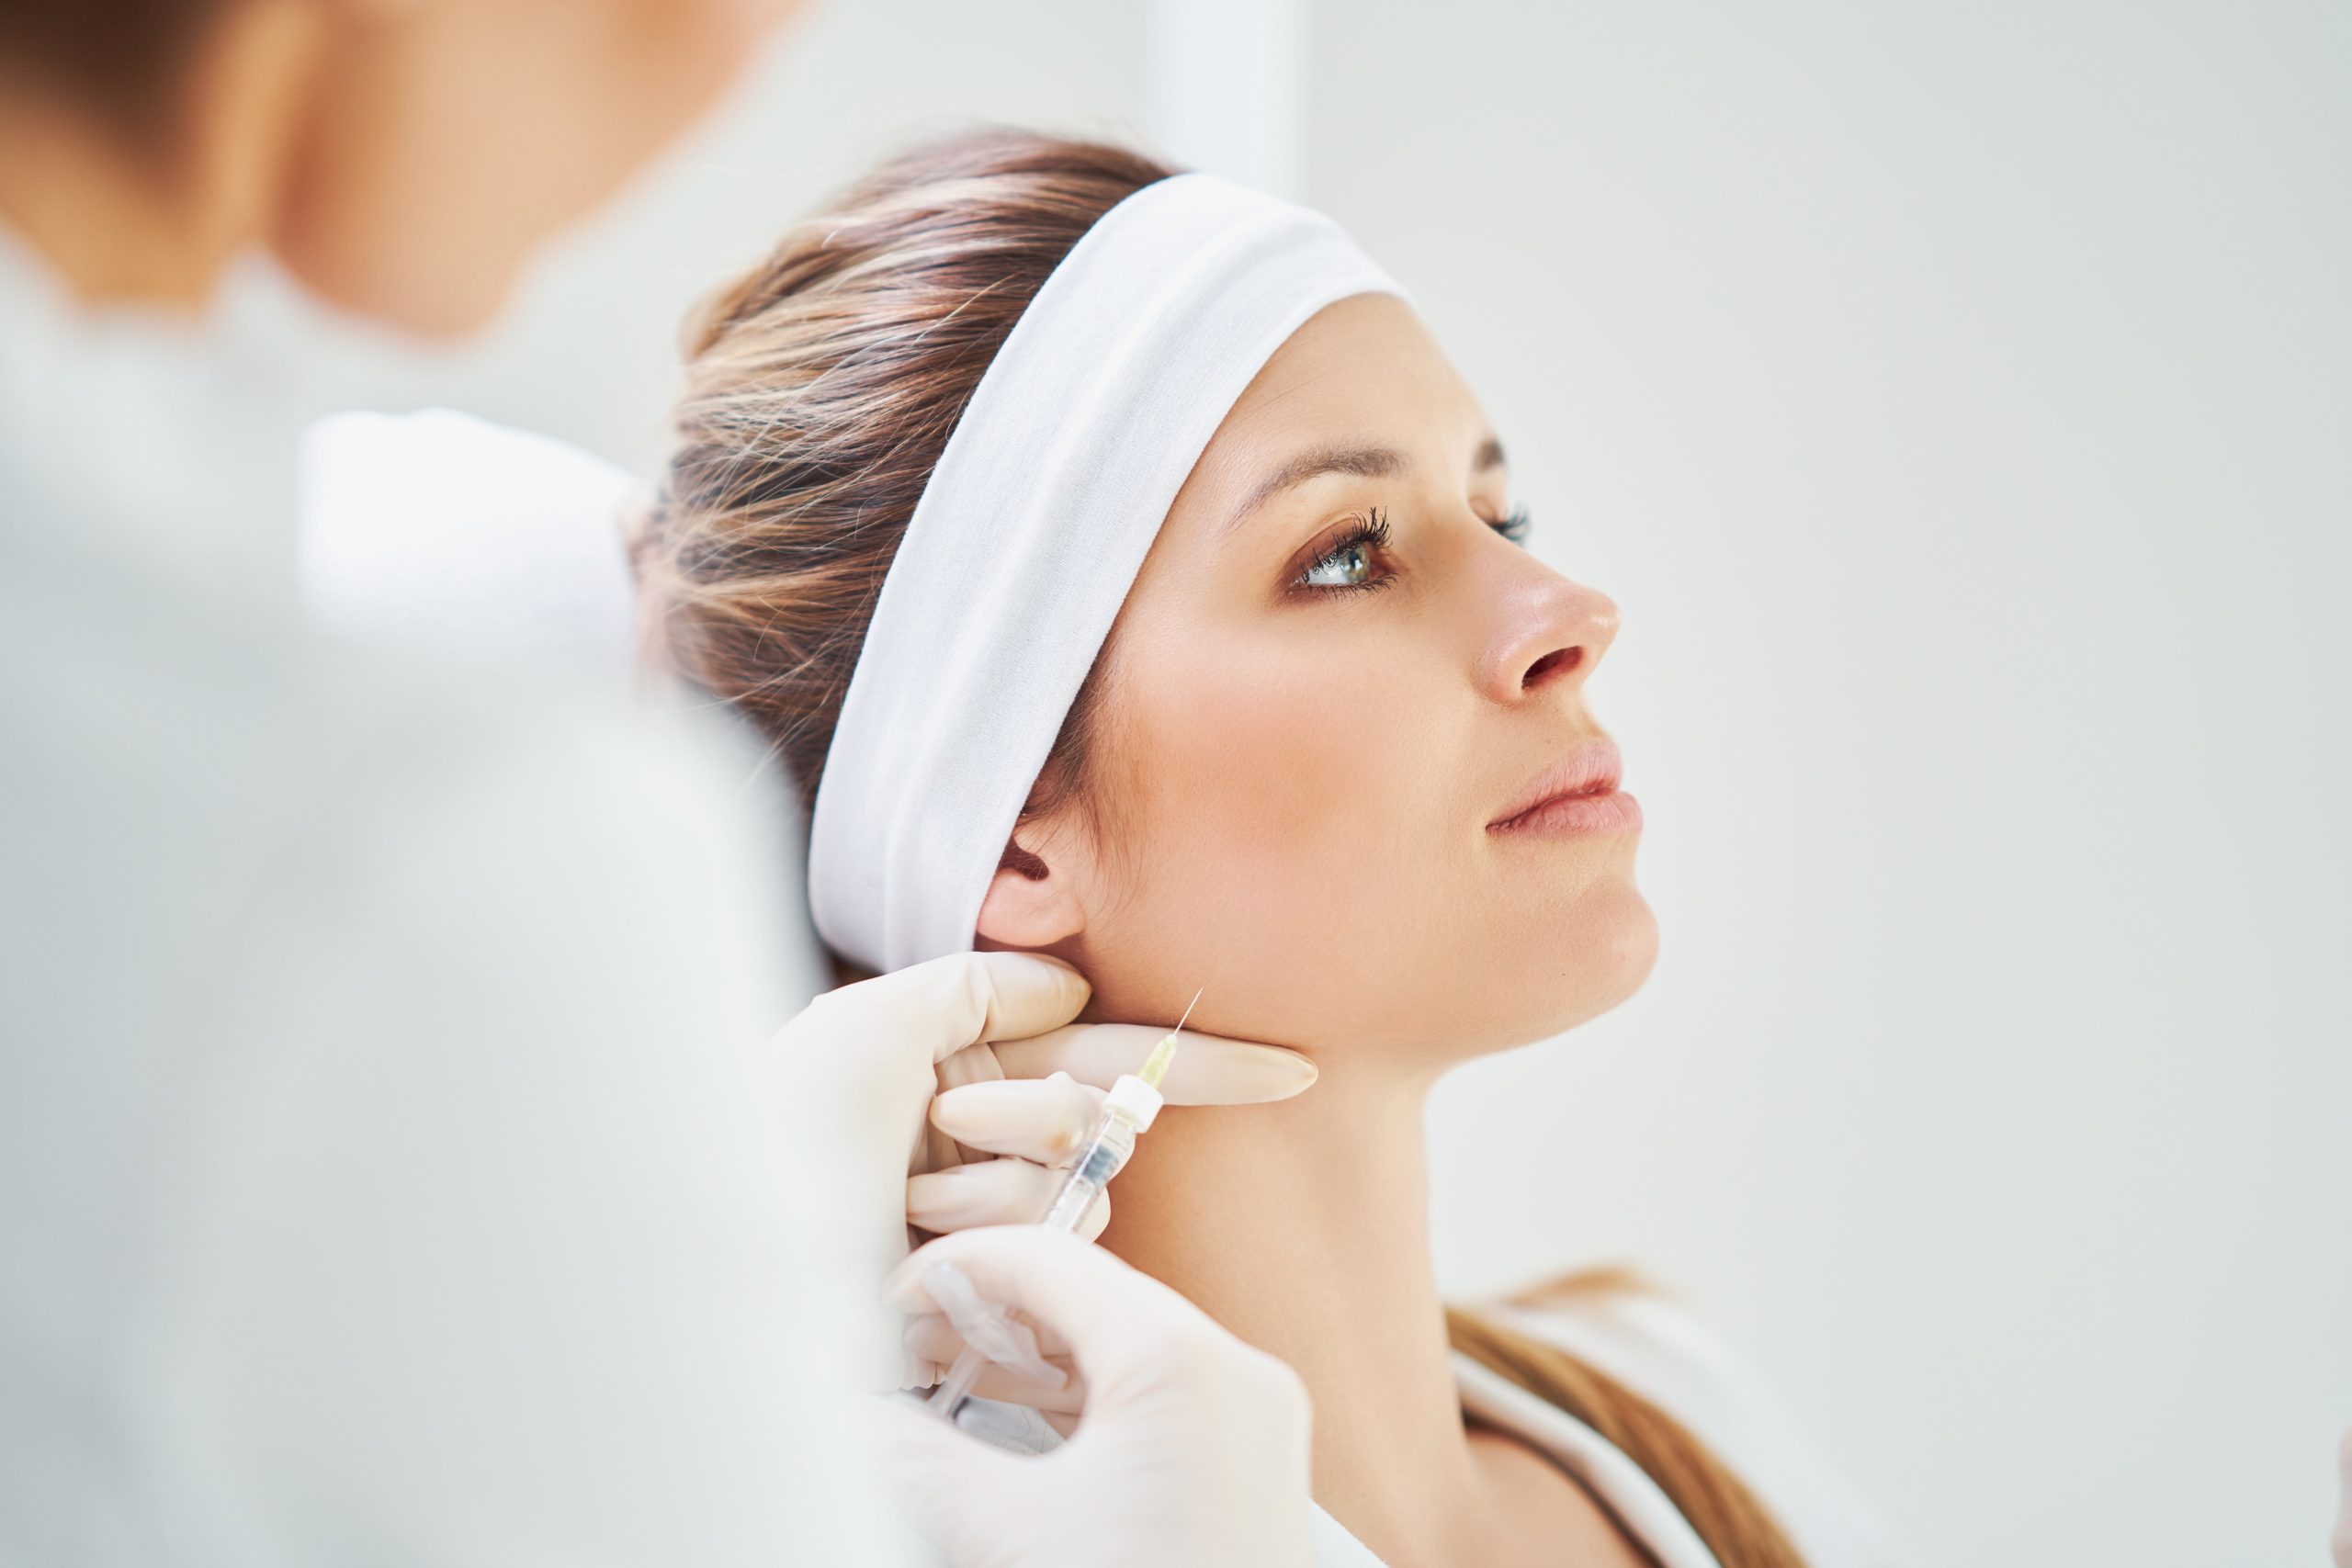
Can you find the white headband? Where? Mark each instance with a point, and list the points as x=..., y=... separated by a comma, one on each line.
x=1029, y=534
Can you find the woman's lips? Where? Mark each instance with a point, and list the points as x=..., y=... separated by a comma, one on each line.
x=1576, y=794
x=1614, y=812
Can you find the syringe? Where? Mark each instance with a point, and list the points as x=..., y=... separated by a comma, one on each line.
x=1132, y=1103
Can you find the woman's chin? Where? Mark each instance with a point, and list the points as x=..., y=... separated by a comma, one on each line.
x=1632, y=952
x=1604, y=959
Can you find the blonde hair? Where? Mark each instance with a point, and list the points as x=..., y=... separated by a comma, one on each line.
x=1734, y=1522
x=820, y=389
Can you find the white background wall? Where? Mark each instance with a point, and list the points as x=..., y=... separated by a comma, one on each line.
x=1959, y=400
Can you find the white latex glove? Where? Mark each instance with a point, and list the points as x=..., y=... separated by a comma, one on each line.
x=1193, y=1447
x=863, y=1065
x=1011, y=1112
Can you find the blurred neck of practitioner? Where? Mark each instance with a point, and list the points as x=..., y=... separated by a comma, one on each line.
x=379, y=1174
x=401, y=160
x=404, y=158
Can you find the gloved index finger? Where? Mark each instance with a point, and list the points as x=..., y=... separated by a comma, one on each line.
x=1209, y=1069
x=1046, y=1120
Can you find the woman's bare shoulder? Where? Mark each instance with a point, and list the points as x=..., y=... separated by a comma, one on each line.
x=1656, y=1343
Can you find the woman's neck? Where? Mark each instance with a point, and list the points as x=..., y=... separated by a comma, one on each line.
x=1303, y=1228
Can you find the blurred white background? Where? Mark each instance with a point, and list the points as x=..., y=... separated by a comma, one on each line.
x=1959, y=400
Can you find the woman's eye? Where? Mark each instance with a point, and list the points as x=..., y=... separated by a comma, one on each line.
x=1515, y=526
x=1350, y=563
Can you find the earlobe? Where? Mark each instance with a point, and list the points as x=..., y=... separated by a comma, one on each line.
x=1029, y=904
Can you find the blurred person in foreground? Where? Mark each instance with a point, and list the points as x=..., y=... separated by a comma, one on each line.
x=389, y=1164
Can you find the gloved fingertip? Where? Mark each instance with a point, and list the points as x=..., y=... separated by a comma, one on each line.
x=1026, y=994
x=1044, y=967
x=1232, y=1072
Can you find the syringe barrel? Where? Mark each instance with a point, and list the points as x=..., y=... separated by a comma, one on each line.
x=1131, y=1107
x=1104, y=1159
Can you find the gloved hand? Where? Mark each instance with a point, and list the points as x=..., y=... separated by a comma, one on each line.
x=861, y=1067
x=1193, y=1445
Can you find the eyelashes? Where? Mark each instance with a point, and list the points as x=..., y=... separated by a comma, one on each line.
x=1366, y=537
x=1352, y=550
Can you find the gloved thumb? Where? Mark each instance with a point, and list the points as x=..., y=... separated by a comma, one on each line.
x=965, y=1493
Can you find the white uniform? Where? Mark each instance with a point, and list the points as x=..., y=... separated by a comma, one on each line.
x=380, y=1173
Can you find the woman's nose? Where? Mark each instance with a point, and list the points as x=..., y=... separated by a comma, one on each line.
x=1552, y=632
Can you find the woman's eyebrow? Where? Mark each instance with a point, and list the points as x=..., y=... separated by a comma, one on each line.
x=1368, y=462
x=1490, y=456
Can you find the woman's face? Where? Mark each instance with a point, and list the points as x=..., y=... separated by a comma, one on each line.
x=1336, y=680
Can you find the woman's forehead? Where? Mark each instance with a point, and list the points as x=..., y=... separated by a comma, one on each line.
x=1370, y=353
x=1363, y=379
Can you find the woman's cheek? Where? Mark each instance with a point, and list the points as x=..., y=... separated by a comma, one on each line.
x=1246, y=740
x=1291, y=795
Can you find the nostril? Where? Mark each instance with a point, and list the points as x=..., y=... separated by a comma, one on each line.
x=1560, y=661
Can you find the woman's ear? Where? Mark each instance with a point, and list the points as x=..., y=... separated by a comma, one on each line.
x=1033, y=901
